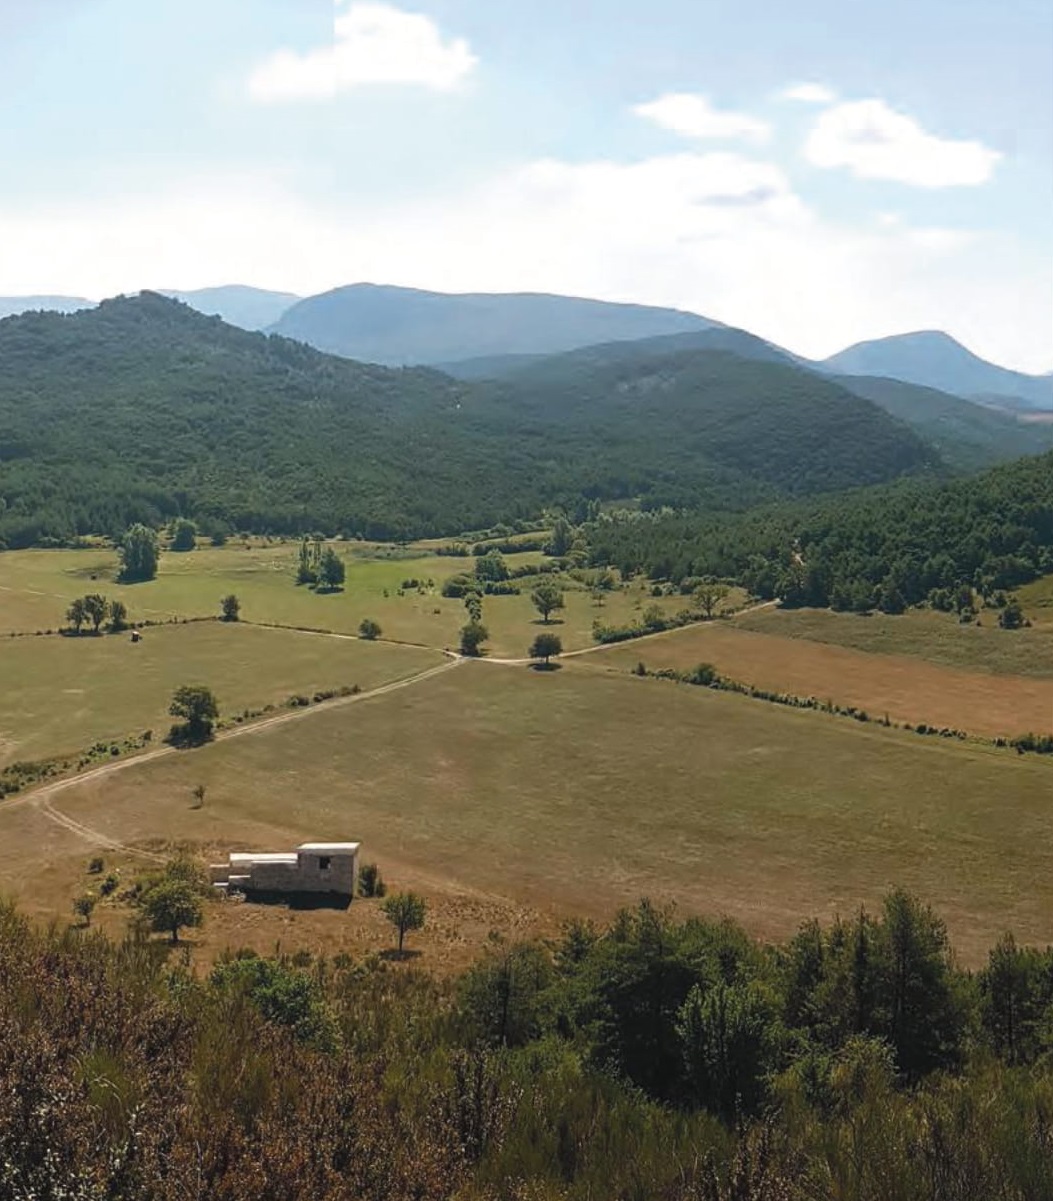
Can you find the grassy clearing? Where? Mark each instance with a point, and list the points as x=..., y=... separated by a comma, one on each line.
x=578, y=790
x=936, y=637
x=905, y=688
x=1037, y=599
x=63, y=694
x=37, y=586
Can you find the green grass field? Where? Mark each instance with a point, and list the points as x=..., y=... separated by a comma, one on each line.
x=1037, y=600
x=37, y=586
x=60, y=695
x=936, y=637
x=576, y=791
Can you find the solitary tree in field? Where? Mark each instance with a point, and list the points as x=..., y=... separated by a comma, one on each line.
x=83, y=907
x=473, y=635
x=547, y=598
x=369, y=629
x=405, y=911
x=199, y=796
x=76, y=614
x=184, y=535
x=96, y=607
x=331, y=570
x=231, y=607
x=118, y=616
x=172, y=904
x=709, y=594
x=197, y=706
x=139, y=554
x=545, y=646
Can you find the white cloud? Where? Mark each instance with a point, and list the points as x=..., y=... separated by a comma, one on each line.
x=809, y=93
x=873, y=141
x=372, y=44
x=721, y=234
x=693, y=116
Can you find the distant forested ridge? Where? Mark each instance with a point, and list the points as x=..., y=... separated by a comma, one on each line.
x=883, y=546
x=142, y=410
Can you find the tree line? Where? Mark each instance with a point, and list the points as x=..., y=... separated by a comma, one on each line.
x=911, y=543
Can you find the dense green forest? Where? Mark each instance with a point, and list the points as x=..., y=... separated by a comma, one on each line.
x=142, y=410
x=886, y=546
x=657, y=1059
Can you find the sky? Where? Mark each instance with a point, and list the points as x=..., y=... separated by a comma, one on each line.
x=818, y=172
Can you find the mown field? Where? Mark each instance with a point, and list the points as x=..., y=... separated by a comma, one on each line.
x=36, y=588
x=935, y=637
x=60, y=695
x=905, y=688
x=577, y=790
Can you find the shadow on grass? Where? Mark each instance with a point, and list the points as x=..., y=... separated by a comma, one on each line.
x=552, y=621
x=394, y=955
x=546, y=666
x=300, y=900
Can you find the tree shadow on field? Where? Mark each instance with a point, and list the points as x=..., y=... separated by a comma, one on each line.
x=552, y=621
x=394, y=955
x=546, y=666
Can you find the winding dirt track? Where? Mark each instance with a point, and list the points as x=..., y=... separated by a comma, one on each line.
x=41, y=798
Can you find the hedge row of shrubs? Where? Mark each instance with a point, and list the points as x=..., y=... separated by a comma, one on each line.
x=706, y=676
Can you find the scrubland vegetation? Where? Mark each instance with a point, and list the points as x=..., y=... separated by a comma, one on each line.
x=653, y=1058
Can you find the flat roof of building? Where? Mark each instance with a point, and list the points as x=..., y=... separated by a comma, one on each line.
x=240, y=857
x=330, y=848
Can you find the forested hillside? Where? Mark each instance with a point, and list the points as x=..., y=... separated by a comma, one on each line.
x=143, y=409
x=888, y=546
x=968, y=436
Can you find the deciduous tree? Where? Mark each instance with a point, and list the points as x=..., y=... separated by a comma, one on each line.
x=139, y=553
x=197, y=705
x=547, y=598
x=545, y=646
x=172, y=904
x=96, y=607
x=406, y=911
x=473, y=635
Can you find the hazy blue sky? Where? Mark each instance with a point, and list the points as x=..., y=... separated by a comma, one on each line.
x=819, y=172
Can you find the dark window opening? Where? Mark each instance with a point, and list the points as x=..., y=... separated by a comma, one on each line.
x=324, y=862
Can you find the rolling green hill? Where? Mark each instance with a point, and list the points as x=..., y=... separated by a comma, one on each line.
x=142, y=408
x=967, y=435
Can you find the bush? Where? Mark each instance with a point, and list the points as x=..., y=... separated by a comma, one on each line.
x=369, y=630
x=96, y=865
x=370, y=881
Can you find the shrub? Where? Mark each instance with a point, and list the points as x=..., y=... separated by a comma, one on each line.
x=369, y=630
x=370, y=881
x=96, y=865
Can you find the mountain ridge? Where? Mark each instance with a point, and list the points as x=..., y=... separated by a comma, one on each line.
x=934, y=359
x=142, y=409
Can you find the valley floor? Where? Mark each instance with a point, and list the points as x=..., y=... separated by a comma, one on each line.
x=515, y=798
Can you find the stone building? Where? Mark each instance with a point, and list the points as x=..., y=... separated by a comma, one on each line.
x=313, y=869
